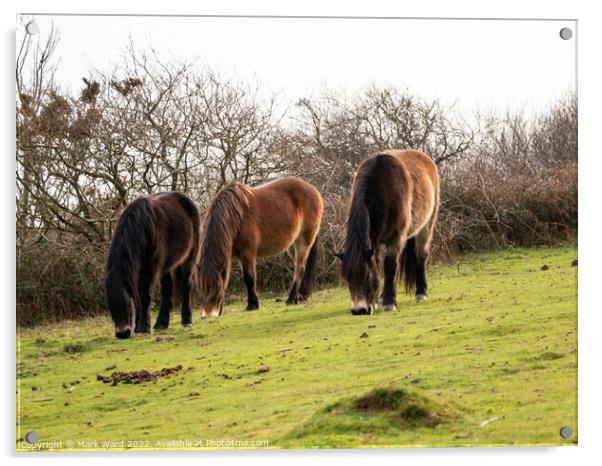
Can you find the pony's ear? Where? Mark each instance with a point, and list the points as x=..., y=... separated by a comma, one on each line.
x=338, y=255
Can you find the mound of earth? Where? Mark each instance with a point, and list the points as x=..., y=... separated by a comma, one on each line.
x=401, y=406
x=380, y=412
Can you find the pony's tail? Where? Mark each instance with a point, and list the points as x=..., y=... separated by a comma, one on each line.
x=132, y=237
x=409, y=265
x=309, y=276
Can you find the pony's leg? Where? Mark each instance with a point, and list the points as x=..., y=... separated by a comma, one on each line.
x=165, y=308
x=389, y=295
x=249, y=275
x=379, y=262
x=309, y=276
x=300, y=256
x=183, y=278
x=423, y=246
x=143, y=317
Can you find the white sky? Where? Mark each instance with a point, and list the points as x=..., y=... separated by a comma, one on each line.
x=473, y=64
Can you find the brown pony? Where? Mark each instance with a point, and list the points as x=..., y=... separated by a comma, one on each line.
x=394, y=203
x=244, y=223
x=156, y=236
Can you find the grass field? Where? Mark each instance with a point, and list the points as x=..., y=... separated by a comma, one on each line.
x=490, y=359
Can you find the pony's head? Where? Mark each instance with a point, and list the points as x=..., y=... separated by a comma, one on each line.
x=358, y=260
x=360, y=271
x=122, y=309
x=212, y=287
x=220, y=226
x=134, y=228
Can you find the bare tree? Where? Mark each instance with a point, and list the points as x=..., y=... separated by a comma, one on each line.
x=34, y=75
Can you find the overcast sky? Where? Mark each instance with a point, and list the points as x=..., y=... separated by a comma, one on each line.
x=474, y=64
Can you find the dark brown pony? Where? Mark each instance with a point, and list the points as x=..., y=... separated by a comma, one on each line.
x=394, y=204
x=244, y=223
x=156, y=237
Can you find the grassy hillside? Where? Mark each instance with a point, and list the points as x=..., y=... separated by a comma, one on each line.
x=490, y=359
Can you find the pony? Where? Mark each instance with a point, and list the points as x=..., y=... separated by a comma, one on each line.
x=394, y=205
x=244, y=223
x=155, y=237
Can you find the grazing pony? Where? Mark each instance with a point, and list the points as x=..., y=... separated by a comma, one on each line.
x=245, y=223
x=156, y=236
x=394, y=203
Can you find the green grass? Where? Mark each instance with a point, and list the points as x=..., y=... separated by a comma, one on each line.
x=496, y=341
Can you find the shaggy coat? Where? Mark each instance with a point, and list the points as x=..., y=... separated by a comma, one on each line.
x=394, y=204
x=244, y=223
x=156, y=238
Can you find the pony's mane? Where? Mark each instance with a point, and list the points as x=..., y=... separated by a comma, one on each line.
x=357, y=239
x=220, y=226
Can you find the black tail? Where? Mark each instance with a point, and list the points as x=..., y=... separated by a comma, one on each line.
x=132, y=238
x=309, y=276
x=409, y=265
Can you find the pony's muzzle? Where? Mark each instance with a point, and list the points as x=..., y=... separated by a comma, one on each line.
x=123, y=333
x=362, y=308
x=214, y=312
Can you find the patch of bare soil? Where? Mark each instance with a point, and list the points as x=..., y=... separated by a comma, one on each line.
x=136, y=377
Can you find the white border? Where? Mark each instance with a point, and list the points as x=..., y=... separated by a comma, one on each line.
x=590, y=169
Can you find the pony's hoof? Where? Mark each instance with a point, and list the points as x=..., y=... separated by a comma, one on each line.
x=421, y=297
x=389, y=307
x=142, y=333
x=158, y=328
x=187, y=325
x=252, y=307
x=290, y=302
